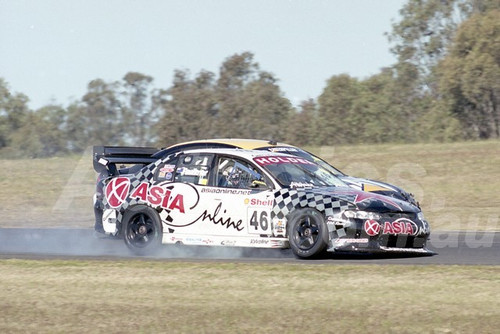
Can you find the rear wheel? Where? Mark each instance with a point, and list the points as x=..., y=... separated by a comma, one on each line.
x=142, y=230
x=307, y=233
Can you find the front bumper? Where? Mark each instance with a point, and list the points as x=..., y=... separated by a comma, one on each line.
x=403, y=233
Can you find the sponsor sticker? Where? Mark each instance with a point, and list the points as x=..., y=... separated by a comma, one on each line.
x=259, y=241
x=399, y=226
x=372, y=227
x=228, y=243
x=283, y=149
x=117, y=191
x=258, y=202
x=159, y=196
x=277, y=243
x=175, y=239
x=300, y=185
x=192, y=172
x=279, y=227
x=168, y=168
x=226, y=191
x=341, y=241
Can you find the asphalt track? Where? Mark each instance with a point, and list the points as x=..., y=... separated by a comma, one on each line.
x=452, y=248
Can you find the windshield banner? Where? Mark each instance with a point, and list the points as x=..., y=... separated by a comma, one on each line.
x=264, y=161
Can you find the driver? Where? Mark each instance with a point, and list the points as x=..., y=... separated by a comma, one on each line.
x=238, y=179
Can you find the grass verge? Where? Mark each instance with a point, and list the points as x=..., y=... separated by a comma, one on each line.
x=55, y=296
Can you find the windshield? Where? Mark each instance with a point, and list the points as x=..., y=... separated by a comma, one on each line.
x=295, y=172
x=303, y=154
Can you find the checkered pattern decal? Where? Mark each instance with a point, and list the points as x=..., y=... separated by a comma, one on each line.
x=288, y=199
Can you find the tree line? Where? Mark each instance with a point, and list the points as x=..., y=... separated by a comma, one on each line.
x=445, y=86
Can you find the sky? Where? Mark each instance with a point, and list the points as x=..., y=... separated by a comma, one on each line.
x=51, y=49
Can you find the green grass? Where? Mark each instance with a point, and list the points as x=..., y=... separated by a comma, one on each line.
x=457, y=184
x=174, y=297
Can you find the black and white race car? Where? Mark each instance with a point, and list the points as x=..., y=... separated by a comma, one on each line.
x=250, y=198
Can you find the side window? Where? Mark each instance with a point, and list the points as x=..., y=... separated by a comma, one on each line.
x=234, y=173
x=193, y=168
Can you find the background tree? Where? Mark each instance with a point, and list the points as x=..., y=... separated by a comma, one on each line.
x=374, y=114
x=424, y=31
x=13, y=113
x=242, y=102
x=470, y=75
x=101, y=115
x=188, y=108
x=335, y=112
x=4, y=123
x=235, y=72
x=302, y=125
x=75, y=128
x=382, y=108
x=139, y=114
x=42, y=133
x=426, y=28
x=422, y=39
x=265, y=110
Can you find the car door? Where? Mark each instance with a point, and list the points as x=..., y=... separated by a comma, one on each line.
x=206, y=194
x=238, y=200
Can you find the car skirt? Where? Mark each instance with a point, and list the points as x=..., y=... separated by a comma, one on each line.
x=376, y=248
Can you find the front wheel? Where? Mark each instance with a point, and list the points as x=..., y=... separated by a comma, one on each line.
x=307, y=233
x=142, y=230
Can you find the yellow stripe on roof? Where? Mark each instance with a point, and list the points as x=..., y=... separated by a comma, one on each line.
x=247, y=144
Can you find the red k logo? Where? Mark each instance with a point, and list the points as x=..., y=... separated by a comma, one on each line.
x=372, y=227
x=117, y=191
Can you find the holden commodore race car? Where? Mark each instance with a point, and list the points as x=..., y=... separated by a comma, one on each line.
x=138, y=157
x=251, y=198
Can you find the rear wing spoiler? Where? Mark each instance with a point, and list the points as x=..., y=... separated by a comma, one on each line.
x=105, y=158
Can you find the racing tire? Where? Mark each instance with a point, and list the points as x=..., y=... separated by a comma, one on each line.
x=307, y=233
x=142, y=230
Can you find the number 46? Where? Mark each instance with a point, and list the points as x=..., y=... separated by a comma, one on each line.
x=259, y=220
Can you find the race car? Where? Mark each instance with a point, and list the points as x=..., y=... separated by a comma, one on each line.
x=252, y=198
x=136, y=157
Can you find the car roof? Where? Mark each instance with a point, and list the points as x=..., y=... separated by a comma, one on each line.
x=248, y=144
x=243, y=153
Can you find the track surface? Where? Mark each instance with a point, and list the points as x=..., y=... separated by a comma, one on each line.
x=453, y=248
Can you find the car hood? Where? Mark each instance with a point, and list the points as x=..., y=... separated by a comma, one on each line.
x=366, y=201
x=379, y=187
